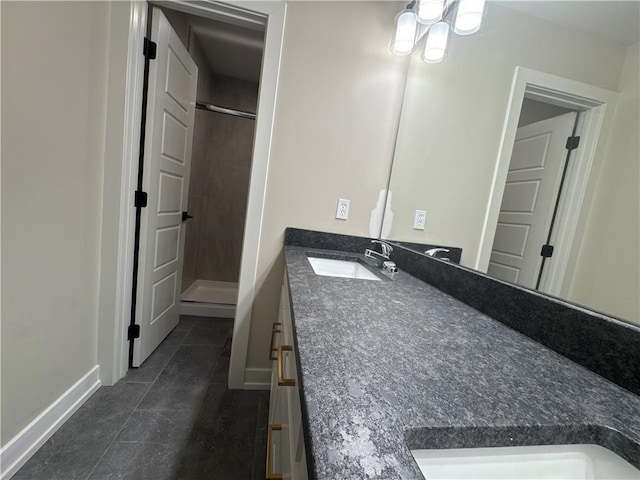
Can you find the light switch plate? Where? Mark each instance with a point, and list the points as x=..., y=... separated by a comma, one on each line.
x=420, y=220
x=342, y=212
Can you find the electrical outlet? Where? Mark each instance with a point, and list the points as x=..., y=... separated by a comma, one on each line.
x=419, y=220
x=342, y=212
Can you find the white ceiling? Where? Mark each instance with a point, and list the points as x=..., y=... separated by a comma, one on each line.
x=618, y=21
x=236, y=51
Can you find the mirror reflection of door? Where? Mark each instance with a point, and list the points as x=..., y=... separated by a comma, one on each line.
x=527, y=50
x=532, y=191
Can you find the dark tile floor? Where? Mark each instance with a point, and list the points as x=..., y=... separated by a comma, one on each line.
x=171, y=419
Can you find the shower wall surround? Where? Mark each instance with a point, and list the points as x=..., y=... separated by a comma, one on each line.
x=219, y=180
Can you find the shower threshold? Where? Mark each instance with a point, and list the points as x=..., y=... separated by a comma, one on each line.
x=210, y=298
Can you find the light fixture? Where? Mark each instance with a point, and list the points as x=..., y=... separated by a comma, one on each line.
x=405, y=34
x=430, y=11
x=469, y=17
x=430, y=18
x=435, y=47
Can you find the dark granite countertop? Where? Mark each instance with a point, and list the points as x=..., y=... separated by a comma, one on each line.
x=395, y=365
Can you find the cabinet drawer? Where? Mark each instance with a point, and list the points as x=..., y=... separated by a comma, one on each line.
x=286, y=456
x=278, y=452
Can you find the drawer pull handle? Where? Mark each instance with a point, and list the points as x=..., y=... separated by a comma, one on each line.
x=284, y=382
x=271, y=475
x=273, y=349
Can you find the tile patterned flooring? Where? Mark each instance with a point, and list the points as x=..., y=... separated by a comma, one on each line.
x=171, y=419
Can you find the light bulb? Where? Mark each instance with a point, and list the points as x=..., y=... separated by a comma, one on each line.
x=469, y=16
x=405, y=34
x=430, y=11
x=435, y=47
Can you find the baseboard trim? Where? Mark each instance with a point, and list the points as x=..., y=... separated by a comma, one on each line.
x=198, y=309
x=257, y=379
x=21, y=447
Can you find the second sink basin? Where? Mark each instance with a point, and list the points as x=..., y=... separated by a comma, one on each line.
x=330, y=267
x=557, y=462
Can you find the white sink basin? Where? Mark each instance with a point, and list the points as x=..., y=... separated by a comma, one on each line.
x=557, y=462
x=329, y=267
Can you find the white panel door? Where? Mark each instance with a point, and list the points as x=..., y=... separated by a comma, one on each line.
x=530, y=193
x=171, y=103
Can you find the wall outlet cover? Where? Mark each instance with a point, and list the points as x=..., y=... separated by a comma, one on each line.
x=420, y=220
x=342, y=212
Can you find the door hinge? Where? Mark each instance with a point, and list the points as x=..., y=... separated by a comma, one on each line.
x=572, y=143
x=547, y=251
x=140, y=199
x=149, y=49
x=133, y=332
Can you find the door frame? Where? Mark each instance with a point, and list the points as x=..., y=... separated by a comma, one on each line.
x=596, y=106
x=272, y=15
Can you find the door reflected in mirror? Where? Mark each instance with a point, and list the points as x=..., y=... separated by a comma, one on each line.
x=538, y=169
x=491, y=155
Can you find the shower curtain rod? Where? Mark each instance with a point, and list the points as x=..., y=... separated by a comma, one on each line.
x=226, y=111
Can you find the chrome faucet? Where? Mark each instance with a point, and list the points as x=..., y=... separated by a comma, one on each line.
x=386, y=251
x=433, y=252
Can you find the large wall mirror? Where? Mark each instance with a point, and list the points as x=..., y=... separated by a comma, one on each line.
x=492, y=166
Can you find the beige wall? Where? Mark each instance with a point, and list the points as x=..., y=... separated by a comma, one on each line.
x=453, y=116
x=337, y=108
x=607, y=276
x=54, y=86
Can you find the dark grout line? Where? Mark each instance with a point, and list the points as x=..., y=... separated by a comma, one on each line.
x=255, y=442
x=163, y=366
x=117, y=433
x=167, y=362
x=213, y=372
x=135, y=409
x=164, y=409
x=209, y=384
x=145, y=443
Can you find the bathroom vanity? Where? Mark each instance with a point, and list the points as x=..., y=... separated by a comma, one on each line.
x=366, y=371
x=286, y=455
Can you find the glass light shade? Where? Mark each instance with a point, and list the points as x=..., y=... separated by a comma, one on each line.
x=430, y=11
x=469, y=17
x=435, y=48
x=405, y=34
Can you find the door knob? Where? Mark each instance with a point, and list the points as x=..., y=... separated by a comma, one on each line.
x=186, y=216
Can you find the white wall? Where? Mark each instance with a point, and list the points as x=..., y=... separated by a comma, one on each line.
x=54, y=84
x=337, y=108
x=453, y=115
x=607, y=275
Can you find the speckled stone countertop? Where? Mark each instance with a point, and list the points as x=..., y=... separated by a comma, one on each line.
x=395, y=365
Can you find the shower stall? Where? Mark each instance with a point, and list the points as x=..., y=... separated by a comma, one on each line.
x=229, y=59
x=217, y=197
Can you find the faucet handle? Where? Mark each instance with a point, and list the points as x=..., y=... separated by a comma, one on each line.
x=386, y=248
x=432, y=252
